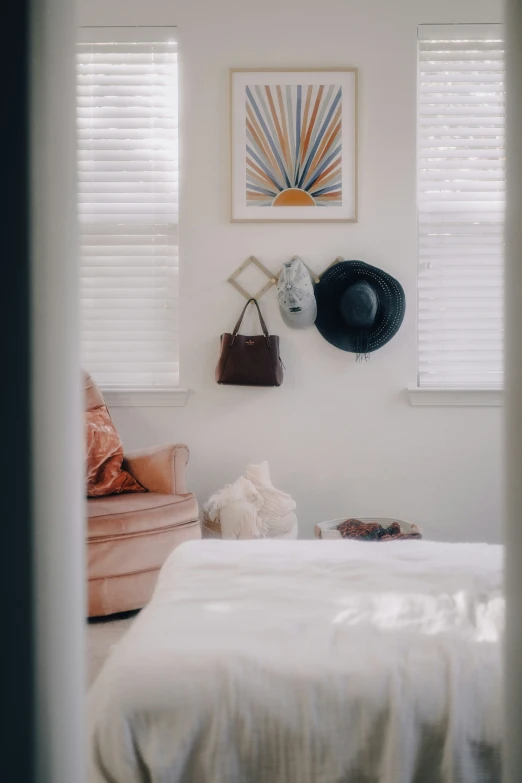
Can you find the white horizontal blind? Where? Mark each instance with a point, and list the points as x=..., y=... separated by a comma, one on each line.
x=128, y=205
x=461, y=198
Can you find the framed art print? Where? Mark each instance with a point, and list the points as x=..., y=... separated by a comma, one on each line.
x=293, y=144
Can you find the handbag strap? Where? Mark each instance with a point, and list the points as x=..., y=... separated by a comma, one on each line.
x=263, y=325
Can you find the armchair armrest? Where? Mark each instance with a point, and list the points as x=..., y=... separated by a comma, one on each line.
x=160, y=469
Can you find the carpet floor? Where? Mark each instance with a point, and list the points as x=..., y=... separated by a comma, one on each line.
x=102, y=635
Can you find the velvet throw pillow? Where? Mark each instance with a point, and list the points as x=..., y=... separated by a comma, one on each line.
x=104, y=457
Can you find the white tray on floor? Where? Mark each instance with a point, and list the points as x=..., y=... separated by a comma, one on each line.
x=329, y=530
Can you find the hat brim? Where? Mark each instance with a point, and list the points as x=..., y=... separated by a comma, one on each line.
x=330, y=322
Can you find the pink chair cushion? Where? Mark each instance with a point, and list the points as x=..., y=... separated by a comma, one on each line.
x=123, y=515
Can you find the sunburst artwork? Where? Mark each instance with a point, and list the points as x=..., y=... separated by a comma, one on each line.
x=294, y=145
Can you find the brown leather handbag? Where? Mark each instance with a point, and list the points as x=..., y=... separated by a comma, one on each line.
x=250, y=361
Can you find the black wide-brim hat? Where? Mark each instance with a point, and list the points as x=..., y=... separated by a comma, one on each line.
x=334, y=322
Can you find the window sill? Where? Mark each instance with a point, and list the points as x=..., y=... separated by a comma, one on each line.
x=160, y=397
x=457, y=397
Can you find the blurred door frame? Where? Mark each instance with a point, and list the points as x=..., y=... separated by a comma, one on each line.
x=56, y=399
x=17, y=651
x=513, y=410
x=43, y=606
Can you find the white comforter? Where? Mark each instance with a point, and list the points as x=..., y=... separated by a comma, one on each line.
x=308, y=662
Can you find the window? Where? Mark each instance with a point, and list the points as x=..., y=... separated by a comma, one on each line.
x=128, y=205
x=461, y=197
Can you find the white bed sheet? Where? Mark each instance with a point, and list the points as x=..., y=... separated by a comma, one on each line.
x=308, y=662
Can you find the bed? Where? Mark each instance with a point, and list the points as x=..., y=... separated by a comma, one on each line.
x=308, y=662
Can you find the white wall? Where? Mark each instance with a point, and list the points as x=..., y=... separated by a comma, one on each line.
x=340, y=437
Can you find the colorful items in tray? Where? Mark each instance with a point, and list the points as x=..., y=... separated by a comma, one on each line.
x=373, y=531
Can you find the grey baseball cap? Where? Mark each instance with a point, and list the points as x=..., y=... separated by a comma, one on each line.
x=295, y=292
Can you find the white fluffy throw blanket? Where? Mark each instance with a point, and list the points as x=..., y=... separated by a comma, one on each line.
x=276, y=514
x=235, y=508
x=252, y=507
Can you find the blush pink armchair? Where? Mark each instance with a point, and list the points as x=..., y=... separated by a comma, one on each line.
x=129, y=536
